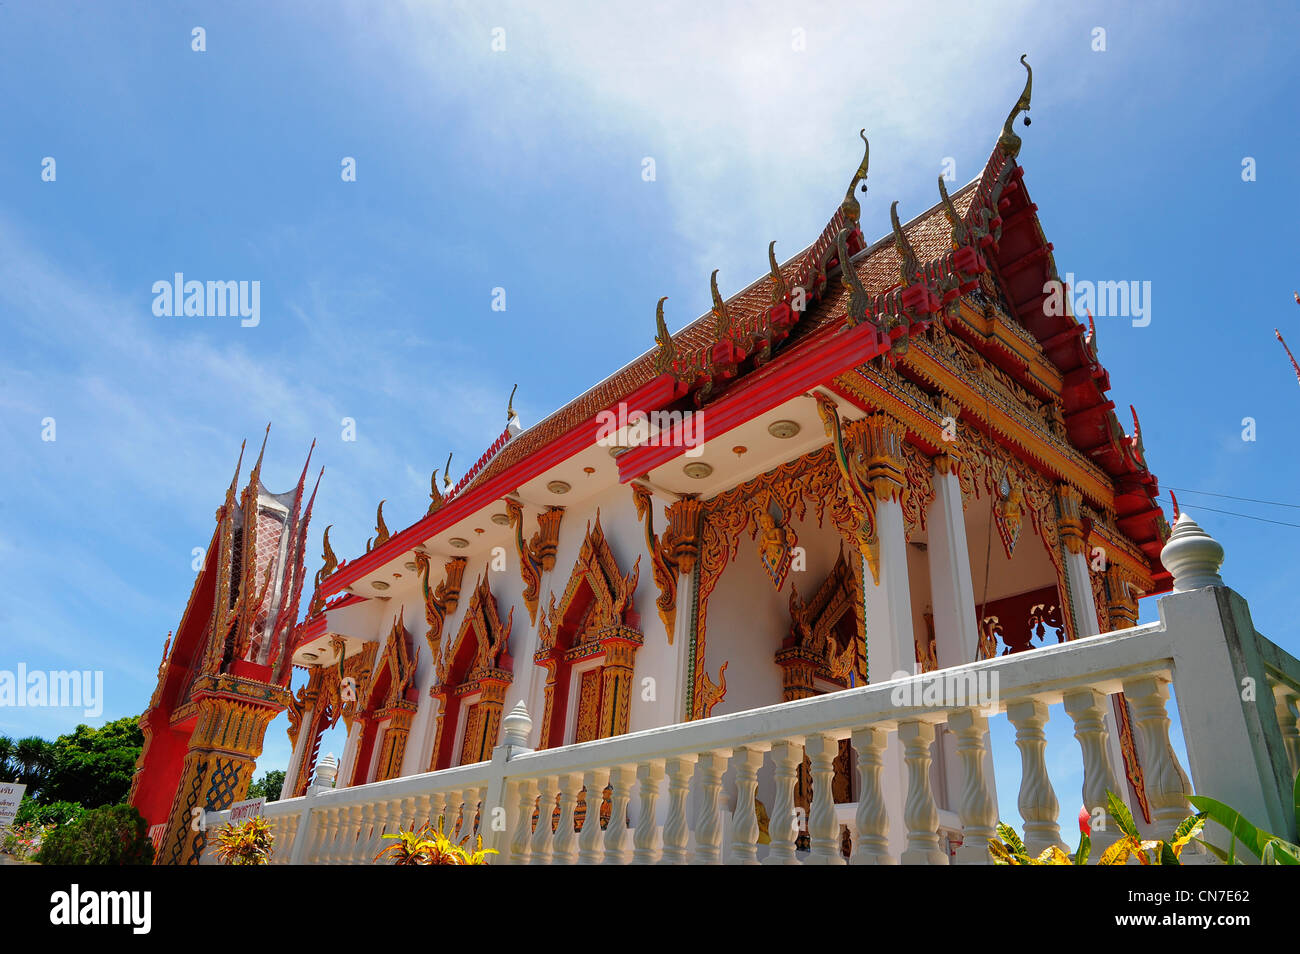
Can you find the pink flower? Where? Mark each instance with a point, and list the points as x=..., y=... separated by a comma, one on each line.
x=1084, y=818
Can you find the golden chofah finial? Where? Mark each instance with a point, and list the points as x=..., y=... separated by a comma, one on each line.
x=959, y=232
x=446, y=474
x=779, y=287
x=510, y=405
x=852, y=209
x=849, y=276
x=1009, y=141
x=907, y=267
x=381, y=528
x=721, y=319
x=667, y=351
x=435, y=496
x=331, y=561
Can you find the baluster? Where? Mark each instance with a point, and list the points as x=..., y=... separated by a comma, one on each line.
x=331, y=820
x=407, y=821
x=453, y=812
x=975, y=805
x=783, y=826
x=468, y=828
x=545, y=806
x=823, y=829
x=676, y=831
x=1037, y=801
x=590, y=841
x=1166, y=783
x=620, y=780
x=387, y=819
x=563, y=852
x=648, y=776
x=366, y=835
x=708, y=829
x=349, y=834
x=744, y=823
x=1287, y=706
x=421, y=817
x=438, y=811
x=1087, y=708
x=871, y=844
x=288, y=832
x=920, y=813
x=520, y=852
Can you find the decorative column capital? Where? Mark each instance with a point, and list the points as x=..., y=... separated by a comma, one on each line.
x=884, y=447
x=1070, y=520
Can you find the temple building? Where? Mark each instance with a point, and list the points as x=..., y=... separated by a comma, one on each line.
x=883, y=455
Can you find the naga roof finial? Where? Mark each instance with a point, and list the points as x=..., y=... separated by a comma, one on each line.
x=1009, y=141
x=907, y=266
x=667, y=350
x=721, y=319
x=1136, y=440
x=435, y=496
x=852, y=210
x=510, y=405
x=857, y=307
x=960, y=234
x=446, y=474
x=1295, y=367
x=779, y=287
x=381, y=528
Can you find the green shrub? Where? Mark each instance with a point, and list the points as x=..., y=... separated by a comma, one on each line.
x=56, y=813
x=112, y=835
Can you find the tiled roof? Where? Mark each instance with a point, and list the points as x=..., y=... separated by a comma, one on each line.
x=929, y=234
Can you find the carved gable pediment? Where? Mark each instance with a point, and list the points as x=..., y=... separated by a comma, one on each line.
x=481, y=644
x=598, y=596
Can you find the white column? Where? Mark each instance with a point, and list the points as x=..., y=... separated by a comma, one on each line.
x=676, y=831
x=349, y=755
x=952, y=593
x=648, y=777
x=891, y=643
x=300, y=746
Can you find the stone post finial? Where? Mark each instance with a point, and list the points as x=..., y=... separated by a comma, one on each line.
x=327, y=770
x=517, y=726
x=1192, y=556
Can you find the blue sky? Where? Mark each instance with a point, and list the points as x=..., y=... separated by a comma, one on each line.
x=522, y=169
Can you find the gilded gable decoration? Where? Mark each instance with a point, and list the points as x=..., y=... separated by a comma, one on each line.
x=671, y=553
x=827, y=636
x=537, y=556
x=593, y=620
x=477, y=662
x=441, y=602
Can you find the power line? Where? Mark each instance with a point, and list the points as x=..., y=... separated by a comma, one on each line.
x=1230, y=513
x=1206, y=493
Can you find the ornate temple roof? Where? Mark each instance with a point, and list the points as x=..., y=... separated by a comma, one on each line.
x=905, y=281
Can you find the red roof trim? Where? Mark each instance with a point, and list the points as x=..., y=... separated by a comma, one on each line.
x=653, y=395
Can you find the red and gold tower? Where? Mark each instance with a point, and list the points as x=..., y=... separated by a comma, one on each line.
x=226, y=674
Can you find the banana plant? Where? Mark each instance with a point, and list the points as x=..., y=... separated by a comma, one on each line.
x=1268, y=848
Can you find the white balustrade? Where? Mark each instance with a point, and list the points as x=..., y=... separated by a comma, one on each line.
x=669, y=780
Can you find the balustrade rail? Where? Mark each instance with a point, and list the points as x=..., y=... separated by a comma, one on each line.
x=686, y=792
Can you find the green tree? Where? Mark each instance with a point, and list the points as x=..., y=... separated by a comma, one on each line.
x=28, y=761
x=94, y=766
x=269, y=786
